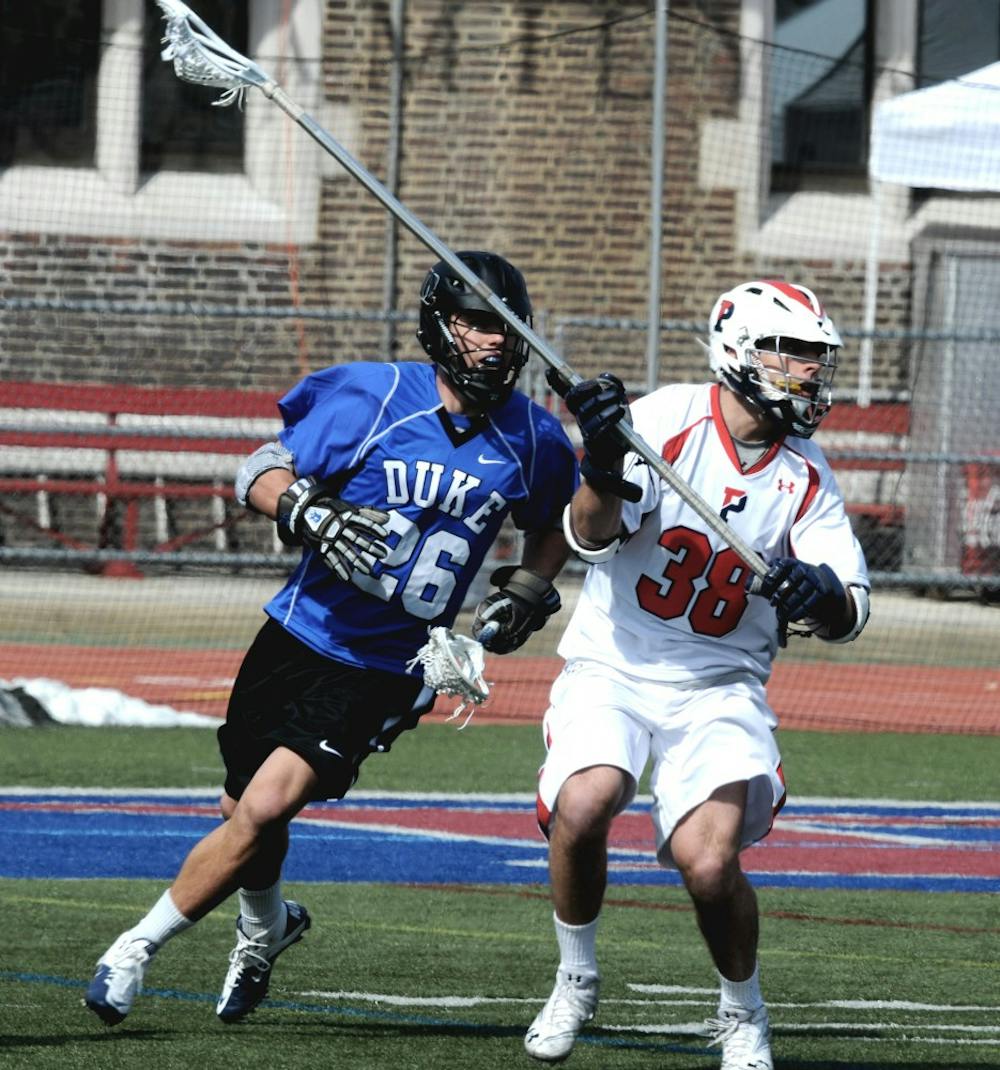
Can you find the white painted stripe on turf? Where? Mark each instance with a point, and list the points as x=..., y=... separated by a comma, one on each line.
x=417, y=833
x=698, y=1029
x=843, y=1004
x=640, y=802
x=475, y=1001
x=416, y=1001
x=818, y=827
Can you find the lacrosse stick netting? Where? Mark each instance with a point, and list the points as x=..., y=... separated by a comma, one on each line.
x=199, y=55
x=454, y=665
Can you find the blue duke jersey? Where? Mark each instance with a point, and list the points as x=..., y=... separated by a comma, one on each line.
x=380, y=433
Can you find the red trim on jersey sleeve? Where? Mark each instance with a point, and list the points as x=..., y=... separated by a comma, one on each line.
x=673, y=447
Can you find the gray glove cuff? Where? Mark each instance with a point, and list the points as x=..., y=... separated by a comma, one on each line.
x=270, y=455
x=528, y=586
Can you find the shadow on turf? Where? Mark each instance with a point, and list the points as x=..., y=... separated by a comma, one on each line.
x=379, y=1033
x=92, y=1036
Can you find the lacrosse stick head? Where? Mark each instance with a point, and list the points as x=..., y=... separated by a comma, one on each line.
x=201, y=57
x=454, y=665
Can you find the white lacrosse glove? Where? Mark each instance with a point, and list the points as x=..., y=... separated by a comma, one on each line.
x=347, y=537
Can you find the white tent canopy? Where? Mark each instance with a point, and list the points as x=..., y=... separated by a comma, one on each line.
x=944, y=137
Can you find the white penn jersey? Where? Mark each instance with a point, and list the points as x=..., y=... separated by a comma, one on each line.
x=671, y=605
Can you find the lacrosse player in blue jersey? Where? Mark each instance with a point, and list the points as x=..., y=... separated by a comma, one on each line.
x=395, y=480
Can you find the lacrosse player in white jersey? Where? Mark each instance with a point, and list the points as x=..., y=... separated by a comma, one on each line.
x=668, y=653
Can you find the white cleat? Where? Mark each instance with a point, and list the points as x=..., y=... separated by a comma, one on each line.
x=573, y=1003
x=745, y=1039
x=118, y=980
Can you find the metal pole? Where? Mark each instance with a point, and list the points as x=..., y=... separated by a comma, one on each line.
x=656, y=198
x=397, y=29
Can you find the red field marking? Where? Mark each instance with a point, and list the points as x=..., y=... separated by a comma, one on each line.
x=836, y=698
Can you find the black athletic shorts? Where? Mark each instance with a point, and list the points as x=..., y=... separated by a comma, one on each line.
x=331, y=714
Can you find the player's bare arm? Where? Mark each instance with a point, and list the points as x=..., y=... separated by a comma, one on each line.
x=545, y=552
x=267, y=488
x=595, y=517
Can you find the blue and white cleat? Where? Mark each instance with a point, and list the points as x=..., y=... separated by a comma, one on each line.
x=250, y=965
x=118, y=980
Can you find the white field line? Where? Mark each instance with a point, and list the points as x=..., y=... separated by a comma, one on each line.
x=844, y=1004
x=818, y=828
x=361, y=798
x=642, y=866
x=698, y=1029
x=710, y=996
x=417, y=833
x=980, y=1035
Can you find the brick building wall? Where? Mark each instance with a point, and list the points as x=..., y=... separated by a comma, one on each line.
x=525, y=129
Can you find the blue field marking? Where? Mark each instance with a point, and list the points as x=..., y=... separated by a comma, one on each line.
x=70, y=834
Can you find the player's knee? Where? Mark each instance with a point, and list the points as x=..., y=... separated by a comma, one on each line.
x=588, y=802
x=709, y=874
x=259, y=812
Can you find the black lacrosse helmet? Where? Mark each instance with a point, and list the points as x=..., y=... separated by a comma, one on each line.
x=443, y=294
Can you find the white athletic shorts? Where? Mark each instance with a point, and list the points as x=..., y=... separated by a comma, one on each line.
x=698, y=739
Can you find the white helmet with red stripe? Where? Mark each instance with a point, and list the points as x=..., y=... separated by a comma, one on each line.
x=767, y=318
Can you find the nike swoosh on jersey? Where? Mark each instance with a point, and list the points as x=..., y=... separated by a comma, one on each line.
x=489, y=460
x=323, y=745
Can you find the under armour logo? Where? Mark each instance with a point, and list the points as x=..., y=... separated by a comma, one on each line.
x=789, y=486
x=734, y=501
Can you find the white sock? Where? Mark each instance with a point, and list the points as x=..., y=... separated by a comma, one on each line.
x=741, y=995
x=262, y=911
x=577, y=949
x=162, y=922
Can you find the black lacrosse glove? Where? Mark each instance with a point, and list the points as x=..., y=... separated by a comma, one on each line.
x=346, y=536
x=800, y=591
x=599, y=406
x=506, y=618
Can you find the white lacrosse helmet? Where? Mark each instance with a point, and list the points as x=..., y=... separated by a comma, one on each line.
x=758, y=318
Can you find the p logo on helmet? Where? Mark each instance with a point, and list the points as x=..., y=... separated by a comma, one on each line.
x=726, y=309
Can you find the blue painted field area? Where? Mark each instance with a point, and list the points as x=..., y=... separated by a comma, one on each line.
x=491, y=839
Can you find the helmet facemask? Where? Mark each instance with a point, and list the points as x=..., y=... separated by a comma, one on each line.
x=795, y=402
x=444, y=296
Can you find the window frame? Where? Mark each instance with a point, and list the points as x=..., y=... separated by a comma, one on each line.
x=785, y=179
x=277, y=191
x=832, y=223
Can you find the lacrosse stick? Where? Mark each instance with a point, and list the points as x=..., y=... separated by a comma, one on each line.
x=200, y=56
x=454, y=665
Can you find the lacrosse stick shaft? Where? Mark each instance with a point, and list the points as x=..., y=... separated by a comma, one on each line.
x=252, y=75
x=635, y=442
